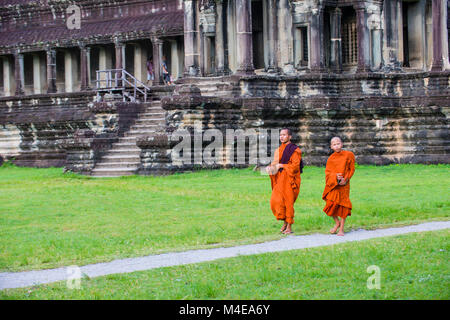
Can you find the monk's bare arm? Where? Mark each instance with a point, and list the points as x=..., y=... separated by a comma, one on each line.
x=276, y=158
x=272, y=167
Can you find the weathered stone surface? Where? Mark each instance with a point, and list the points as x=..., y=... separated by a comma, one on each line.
x=34, y=24
x=321, y=68
x=47, y=127
x=394, y=119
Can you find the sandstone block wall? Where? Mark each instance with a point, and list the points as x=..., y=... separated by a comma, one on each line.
x=51, y=130
x=383, y=119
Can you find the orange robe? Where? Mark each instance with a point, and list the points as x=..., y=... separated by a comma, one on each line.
x=285, y=185
x=338, y=197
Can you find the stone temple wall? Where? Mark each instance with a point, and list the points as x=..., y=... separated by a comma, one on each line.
x=386, y=94
x=64, y=129
x=383, y=119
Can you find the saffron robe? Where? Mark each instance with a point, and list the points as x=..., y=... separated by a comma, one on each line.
x=338, y=197
x=285, y=185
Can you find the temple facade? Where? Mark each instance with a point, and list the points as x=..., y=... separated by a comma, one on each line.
x=75, y=92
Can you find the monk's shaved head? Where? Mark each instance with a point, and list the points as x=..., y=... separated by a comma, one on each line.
x=335, y=138
x=336, y=144
x=289, y=132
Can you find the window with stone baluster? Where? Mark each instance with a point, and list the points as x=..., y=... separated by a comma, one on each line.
x=349, y=38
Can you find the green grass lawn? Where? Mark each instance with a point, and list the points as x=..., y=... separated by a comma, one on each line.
x=50, y=219
x=413, y=266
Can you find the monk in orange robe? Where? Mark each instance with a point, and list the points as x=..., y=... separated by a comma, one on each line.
x=284, y=174
x=340, y=168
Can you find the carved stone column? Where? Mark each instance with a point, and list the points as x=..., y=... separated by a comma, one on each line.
x=157, y=59
x=244, y=37
x=51, y=70
x=8, y=76
x=120, y=54
x=375, y=30
x=363, y=40
x=317, y=59
x=84, y=68
x=336, y=40
x=391, y=33
x=191, y=56
x=220, y=44
x=272, y=35
x=19, y=73
x=437, y=36
x=119, y=49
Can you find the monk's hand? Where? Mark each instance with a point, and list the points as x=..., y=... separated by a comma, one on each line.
x=342, y=182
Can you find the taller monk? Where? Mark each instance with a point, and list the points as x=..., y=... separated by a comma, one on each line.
x=284, y=174
x=340, y=168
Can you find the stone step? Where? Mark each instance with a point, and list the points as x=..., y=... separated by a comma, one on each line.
x=99, y=175
x=10, y=140
x=8, y=135
x=123, y=145
x=150, y=119
x=115, y=169
x=117, y=172
x=129, y=151
x=153, y=105
x=147, y=134
x=146, y=125
x=115, y=165
x=120, y=158
x=127, y=140
x=124, y=157
x=153, y=113
x=139, y=133
x=153, y=108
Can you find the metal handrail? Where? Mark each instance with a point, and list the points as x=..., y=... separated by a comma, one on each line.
x=115, y=79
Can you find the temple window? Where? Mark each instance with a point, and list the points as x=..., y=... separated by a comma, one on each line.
x=258, y=34
x=349, y=38
x=417, y=34
x=210, y=55
x=301, y=47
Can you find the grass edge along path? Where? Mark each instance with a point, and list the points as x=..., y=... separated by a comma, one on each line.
x=49, y=219
x=11, y=280
x=411, y=266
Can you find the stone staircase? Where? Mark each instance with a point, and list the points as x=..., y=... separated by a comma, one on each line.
x=123, y=158
x=212, y=86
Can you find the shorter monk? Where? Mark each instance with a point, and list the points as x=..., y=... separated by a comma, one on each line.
x=339, y=170
x=284, y=174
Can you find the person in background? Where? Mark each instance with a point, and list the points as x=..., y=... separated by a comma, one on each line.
x=165, y=72
x=150, y=72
